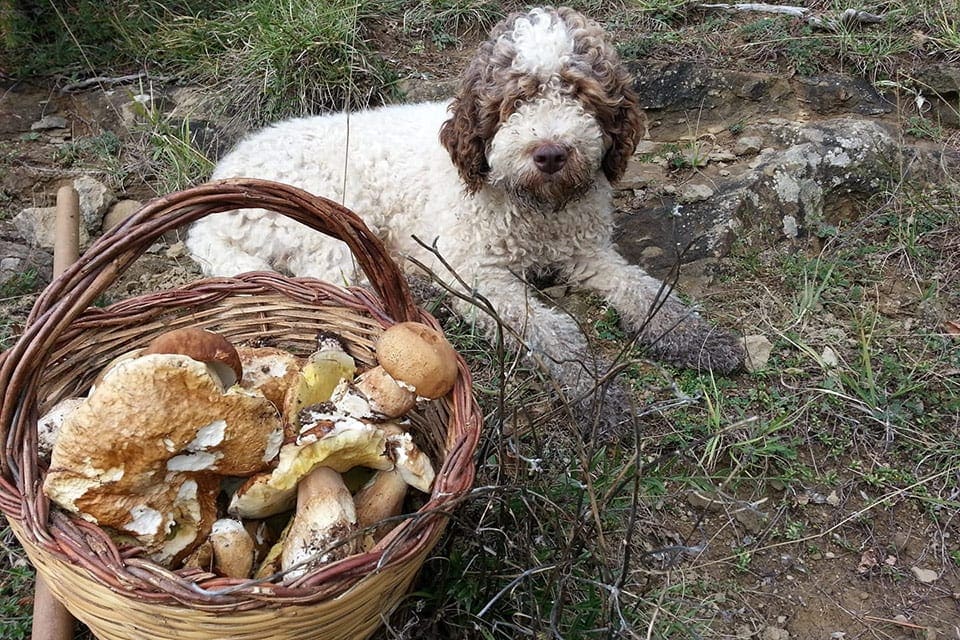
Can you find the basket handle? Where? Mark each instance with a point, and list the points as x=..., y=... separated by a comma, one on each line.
x=115, y=250
x=70, y=294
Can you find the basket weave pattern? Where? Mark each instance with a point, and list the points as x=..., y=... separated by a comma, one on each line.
x=66, y=341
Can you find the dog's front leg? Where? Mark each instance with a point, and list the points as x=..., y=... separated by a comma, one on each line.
x=672, y=331
x=554, y=341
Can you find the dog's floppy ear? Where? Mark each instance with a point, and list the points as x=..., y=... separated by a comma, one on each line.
x=624, y=128
x=466, y=133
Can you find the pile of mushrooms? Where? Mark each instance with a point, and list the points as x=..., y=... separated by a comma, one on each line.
x=314, y=460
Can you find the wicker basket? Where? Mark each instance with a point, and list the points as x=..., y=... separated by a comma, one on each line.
x=120, y=595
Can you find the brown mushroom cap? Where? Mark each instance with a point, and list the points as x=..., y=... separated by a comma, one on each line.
x=387, y=397
x=126, y=456
x=203, y=346
x=420, y=356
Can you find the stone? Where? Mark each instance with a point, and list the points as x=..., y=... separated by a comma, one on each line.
x=120, y=211
x=747, y=146
x=49, y=122
x=790, y=227
x=646, y=147
x=926, y=576
x=17, y=259
x=36, y=226
x=694, y=192
x=640, y=175
x=95, y=200
x=775, y=633
x=758, y=349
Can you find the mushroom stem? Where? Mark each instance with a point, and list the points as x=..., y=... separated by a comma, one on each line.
x=322, y=528
x=381, y=498
x=374, y=395
x=233, y=548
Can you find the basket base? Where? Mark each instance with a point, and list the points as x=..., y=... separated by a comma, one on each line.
x=110, y=615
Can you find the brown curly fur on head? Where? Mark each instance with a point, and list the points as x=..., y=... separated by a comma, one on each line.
x=491, y=90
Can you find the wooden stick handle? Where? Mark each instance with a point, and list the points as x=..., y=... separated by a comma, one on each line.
x=51, y=620
x=66, y=243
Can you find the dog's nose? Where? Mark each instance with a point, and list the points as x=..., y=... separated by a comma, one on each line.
x=549, y=157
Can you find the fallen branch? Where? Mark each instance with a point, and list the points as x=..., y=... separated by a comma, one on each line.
x=848, y=17
x=108, y=81
x=798, y=12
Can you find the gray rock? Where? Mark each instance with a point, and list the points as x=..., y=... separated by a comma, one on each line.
x=17, y=259
x=36, y=226
x=95, y=200
x=694, y=192
x=747, y=146
x=758, y=349
x=819, y=169
x=49, y=122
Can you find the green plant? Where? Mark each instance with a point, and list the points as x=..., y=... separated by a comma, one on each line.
x=175, y=158
x=20, y=284
x=923, y=127
x=445, y=20
x=272, y=59
x=16, y=583
x=103, y=149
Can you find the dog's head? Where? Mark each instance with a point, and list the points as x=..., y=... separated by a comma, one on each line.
x=543, y=107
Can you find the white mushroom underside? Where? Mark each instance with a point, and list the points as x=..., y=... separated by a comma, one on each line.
x=146, y=521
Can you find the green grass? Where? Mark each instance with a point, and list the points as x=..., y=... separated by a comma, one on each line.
x=16, y=587
x=271, y=59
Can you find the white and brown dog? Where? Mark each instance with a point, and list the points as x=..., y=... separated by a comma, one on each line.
x=513, y=177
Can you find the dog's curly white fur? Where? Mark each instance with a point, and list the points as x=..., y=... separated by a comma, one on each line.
x=519, y=180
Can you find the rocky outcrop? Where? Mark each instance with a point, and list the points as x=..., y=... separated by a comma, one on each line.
x=807, y=179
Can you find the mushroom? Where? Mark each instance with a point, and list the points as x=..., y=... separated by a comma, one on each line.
x=142, y=454
x=374, y=395
x=319, y=376
x=419, y=356
x=322, y=528
x=270, y=371
x=332, y=440
x=381, y=498
x=233, y=548
x=203, y=346
x=335, y=441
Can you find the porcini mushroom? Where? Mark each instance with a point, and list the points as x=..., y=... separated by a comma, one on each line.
x=383, y=495
x=233, y=548
x=381, y=498
x=419, y=356
x=48, y=427
x=270, y=371
x=334, y=441
x=143, y=453
x=374, y=395
x=203, y=346
x=319, y=376
x=323, y=526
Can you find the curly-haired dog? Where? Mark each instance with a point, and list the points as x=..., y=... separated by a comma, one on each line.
x=513, y=177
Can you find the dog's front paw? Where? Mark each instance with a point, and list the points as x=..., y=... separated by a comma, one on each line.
x=695, y=344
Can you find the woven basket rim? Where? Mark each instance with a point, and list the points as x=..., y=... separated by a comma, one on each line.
x=64, y=310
